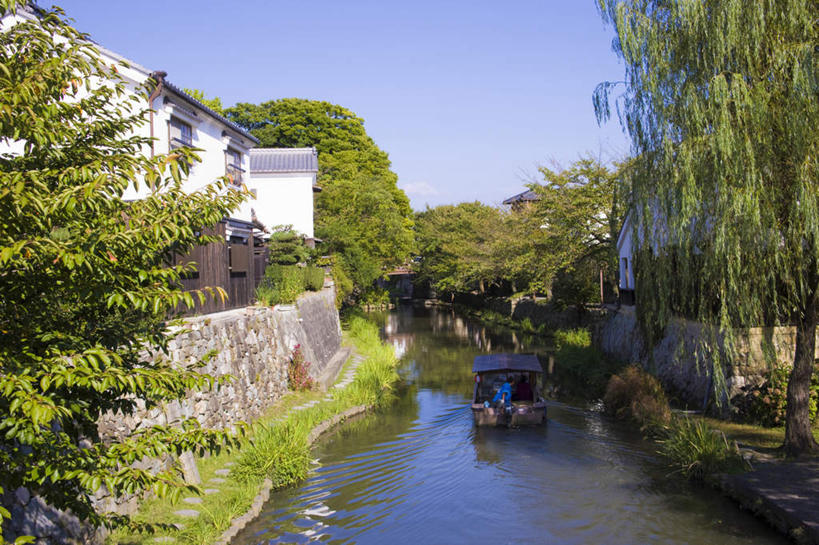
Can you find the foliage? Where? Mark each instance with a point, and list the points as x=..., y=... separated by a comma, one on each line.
x=366, y=226
x=697, y=450
x=214, y=103
x=580, y=211
x=279, y=451
x=555, y=245
x=281, y=284
x=298, y=371
x=636, y=395
x=376, y=297
x=724, y=193
x=579, y=366
x=361, y=213
x=766, y=403
x=286, y=248
x=85, y=281
x=313, y=278
x=458, y=244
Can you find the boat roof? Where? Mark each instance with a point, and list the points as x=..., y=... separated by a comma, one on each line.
x=506, y=362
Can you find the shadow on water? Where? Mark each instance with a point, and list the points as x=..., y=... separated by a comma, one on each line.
x=420, y=471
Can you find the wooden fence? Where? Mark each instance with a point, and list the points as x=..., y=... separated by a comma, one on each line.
x=236, y=265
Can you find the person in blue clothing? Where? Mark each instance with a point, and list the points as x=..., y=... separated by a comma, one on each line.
x=504, y=395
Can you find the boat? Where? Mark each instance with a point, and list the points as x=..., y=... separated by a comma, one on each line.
x=491, y=371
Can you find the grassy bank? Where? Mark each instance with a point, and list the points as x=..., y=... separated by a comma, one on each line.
x=277, y=448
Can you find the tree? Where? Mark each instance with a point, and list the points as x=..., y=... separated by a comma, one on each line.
x=85, y=282
x=458, y=245
x=350, y=166
x=214, y=103
x=721, y=104
x=365, y=226
x=580, y=212
x=286, y=247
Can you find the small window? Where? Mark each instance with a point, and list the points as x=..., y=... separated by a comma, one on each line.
x=180, y=134
x=233, y=166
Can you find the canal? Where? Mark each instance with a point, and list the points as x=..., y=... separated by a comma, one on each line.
x=421, y=473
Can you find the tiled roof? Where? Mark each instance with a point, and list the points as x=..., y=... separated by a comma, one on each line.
x=189, y=99
x=526, y=196
x=283, y=160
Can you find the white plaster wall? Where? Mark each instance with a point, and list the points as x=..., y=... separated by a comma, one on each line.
x=283, y=199
x=207, y=131
x=624, y=250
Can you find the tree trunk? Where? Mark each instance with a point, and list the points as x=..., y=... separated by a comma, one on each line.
x=798, y=435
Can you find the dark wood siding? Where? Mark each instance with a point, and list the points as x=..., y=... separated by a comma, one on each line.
x=214, y=270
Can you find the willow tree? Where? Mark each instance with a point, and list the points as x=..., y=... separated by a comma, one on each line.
x=721, y=101
x=86, y=281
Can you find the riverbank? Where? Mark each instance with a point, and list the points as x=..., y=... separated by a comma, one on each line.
x=780, y=492
x=276, y=454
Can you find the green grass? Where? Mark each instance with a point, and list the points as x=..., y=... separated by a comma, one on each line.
x=697, y=450
x=752, y=436
x=277, y=447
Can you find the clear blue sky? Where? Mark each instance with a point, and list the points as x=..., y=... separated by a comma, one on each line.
x=467, y=97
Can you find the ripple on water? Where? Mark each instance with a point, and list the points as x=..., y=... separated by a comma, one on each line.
x=423, y=473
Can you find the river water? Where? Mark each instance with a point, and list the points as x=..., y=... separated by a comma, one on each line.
x=421, y=473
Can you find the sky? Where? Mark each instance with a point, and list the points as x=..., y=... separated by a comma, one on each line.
x=467, y=97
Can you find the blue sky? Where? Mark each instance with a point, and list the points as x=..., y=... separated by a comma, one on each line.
x=467, y=97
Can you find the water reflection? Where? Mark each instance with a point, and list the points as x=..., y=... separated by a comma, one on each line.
x=421, y=472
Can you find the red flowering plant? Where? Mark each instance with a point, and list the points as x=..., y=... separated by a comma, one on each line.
x=298, y=375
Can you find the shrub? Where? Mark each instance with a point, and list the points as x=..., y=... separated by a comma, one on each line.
x=766, y=403
x=298, y=371
x=376, y=297
x=313, y=278
x=580, y=366
x=287, y=248
x=281, y=284
x=697, y=450
x=636, y=395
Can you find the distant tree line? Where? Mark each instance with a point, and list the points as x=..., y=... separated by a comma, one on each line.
x=555, y=245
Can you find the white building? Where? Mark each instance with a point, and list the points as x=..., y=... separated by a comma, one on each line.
x=626, y=261
x=177, y=120
x=283, y=182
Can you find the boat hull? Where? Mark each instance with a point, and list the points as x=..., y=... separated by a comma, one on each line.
x=520, y=415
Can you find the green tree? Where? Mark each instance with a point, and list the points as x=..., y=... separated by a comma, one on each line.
x=85, y=285
x=365, y=226
x=458, y=246
x=286, y=247
x=214, y=103
x=351, y=166
x=580, y=211
x=721, y=103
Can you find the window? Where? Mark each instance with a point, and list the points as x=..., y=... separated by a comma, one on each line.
x=233, y=166
x=179, y=134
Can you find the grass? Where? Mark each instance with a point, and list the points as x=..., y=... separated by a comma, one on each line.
x=277, y=448
x=752, y=436
x=697, y=450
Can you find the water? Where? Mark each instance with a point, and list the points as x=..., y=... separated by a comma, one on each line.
x=421, y=473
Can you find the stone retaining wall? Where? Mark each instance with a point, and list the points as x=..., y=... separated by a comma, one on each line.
x=680, y=365
x=253, y=345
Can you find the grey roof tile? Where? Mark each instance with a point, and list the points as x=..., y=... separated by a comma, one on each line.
x=283, y=160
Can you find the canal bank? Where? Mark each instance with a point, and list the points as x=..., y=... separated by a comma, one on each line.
x=784, y=493
x=420, y=471
x=232, y=480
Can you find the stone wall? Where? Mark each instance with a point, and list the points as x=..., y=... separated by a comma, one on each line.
x=253, y=345
x=679, y=363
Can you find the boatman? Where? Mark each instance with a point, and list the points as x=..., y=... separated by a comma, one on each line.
x=504, y=395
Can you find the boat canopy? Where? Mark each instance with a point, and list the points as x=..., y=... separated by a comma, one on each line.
x=506, y=362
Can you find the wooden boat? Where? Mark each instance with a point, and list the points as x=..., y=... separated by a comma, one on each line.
x=491, y=371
